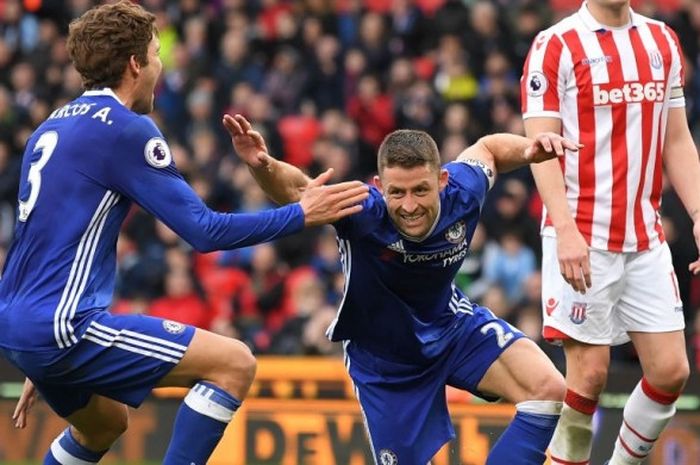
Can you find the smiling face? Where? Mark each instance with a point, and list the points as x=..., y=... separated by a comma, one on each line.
x=412, y=197
x=410, y=178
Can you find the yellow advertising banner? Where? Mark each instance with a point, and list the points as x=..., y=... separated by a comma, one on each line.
x=331, y=432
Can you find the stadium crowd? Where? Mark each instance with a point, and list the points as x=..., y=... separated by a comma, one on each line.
x=324, y=81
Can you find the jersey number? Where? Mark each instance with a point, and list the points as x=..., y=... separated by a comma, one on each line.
x=46, y=144
x=502, y=337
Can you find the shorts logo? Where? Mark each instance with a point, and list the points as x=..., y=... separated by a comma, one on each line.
x=387, y=457
x=578, y=313
x=550, y=305
x=157, y=153
x=173, y=327
x=536, y=84
x=456, y=233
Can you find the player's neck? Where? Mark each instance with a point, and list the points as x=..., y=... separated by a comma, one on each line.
x=124, y=95
x=610, y=15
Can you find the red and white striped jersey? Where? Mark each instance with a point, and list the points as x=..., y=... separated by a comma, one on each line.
x=612, y=89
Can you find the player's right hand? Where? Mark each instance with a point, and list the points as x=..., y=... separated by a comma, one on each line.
x=324, y=204
x=249, y=144
x=24, y=404
x=574, y=258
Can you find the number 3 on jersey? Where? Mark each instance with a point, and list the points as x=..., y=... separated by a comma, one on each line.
x=46, y=145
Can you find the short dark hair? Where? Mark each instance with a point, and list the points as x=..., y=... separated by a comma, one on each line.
x=103, y=39
x=408, y=148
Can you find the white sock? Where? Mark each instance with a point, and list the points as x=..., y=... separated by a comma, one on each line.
x=646, y=414
x=571, y=444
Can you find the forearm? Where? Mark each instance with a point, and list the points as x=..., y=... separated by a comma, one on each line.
x=222, y=231
x=552, y=189
x=683, y=171
x=282, y=182
x=507, y=150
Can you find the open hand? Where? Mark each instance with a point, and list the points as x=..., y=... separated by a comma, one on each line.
x=324, y=204
x=574, y=258
x=24, y=404
x=249, y=144
x=549, y=145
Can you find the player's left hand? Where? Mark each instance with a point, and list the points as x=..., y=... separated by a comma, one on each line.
x=24, y=404
x=694, y=267
x=249, y=144
x=549, y=145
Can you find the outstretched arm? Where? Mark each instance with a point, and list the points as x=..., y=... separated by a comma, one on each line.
x=506, y=152
x=281, y=181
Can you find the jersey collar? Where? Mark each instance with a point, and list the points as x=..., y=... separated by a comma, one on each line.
x=592, y=24
x=107, y=92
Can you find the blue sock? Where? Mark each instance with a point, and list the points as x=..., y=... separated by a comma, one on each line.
x=199, y=424
x=65, y=450
x=526, y=439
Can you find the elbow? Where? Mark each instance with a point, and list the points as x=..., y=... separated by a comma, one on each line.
x=202, y=245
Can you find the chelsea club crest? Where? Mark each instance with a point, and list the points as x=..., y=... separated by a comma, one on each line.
x=387, y=457
x=456, y=233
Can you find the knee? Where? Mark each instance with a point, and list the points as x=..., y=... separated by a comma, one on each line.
x=101, y=437
x=591, y=380
x=671, y=376
x=238, y=369
x=551, y=386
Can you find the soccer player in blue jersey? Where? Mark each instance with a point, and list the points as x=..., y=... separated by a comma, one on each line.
x=408, y=331
x=82, y=169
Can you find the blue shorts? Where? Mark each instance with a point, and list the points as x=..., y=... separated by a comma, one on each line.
x=404, y=404
x=122, y=357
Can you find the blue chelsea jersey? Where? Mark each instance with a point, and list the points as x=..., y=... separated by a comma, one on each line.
x=400, y=299
x=81, y=170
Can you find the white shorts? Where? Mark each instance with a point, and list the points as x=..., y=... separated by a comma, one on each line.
x=636, y=291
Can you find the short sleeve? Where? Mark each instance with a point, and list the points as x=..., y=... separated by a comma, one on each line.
x=467, y=183
x=545, y=72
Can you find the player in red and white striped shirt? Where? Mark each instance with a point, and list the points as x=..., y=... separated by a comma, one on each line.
x=613, y=81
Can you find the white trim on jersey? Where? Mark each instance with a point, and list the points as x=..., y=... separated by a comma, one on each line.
x=346, y=261
x=63, y=456
x=162, y=349
x=357, y=395
x=80, y=271
x=460, y=304
x=103, y=92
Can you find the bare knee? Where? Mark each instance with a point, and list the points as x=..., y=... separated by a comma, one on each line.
x=236, y=372
x=586, y=375
x=549, y=386
x=670, y=376
x=101, y=436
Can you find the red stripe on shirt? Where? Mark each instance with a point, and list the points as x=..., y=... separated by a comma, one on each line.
x=552, y=56
x=665, y=49
x=618, y=213
x=643, y=67
x=586, y=123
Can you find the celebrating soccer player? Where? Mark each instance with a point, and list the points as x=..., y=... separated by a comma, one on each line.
x=408, y=331
x=81, y=171
x=612, y=80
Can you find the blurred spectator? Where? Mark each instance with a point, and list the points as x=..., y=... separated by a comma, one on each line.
x=508, y=263
x=372, y=110
x=181, y=302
